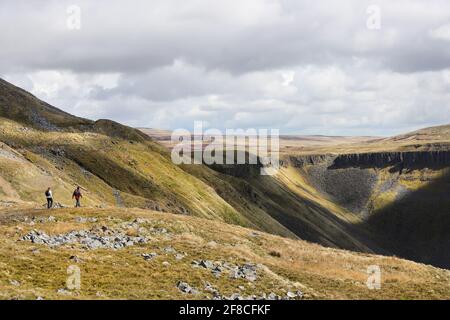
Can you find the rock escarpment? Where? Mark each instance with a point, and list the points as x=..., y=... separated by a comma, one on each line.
x=408, y=160
x=402, y=197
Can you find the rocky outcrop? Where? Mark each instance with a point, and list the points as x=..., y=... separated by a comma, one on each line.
x=89, y=239
x=413, y=159
x=407, y=160
x=303, y=160
x=247, y=271
x=350, y=179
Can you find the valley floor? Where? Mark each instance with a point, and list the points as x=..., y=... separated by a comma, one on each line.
x=142, y=254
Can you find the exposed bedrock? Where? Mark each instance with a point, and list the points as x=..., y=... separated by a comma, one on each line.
x=304, y=160
x=351, y=179
x=407, y=159
x=350, y=187
x=402, y=196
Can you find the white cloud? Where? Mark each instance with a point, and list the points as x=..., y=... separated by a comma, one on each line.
x=301, y=66
x=441, y=33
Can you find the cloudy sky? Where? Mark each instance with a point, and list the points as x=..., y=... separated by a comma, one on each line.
x=351, y=67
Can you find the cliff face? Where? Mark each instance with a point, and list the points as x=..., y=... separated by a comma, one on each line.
x=349, y=184
x=360, y=181
x=301, y=161
x=407, y=160
x=402, y=197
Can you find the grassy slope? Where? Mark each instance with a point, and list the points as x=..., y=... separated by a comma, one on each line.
x=266, y=199
x=146, y=177
x=321, y=273
x=100, y=163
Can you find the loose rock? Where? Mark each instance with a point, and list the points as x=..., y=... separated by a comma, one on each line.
x=14, y=283
x=149, y=256
x=91, y=239
x=186, y=288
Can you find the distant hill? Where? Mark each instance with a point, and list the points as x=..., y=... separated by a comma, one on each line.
x=21, y=106
x=157, y=134
x=288, y=143
x=437, y=133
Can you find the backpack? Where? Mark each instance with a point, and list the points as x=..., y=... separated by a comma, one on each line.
x=47, y=194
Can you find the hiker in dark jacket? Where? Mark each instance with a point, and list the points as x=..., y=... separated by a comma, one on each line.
x=49, y=196
x=77, y=196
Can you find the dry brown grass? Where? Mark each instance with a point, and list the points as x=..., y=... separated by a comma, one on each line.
x=321, y=273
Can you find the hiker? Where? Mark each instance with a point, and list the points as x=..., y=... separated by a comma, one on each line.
x=49, y=196
x=77, y=195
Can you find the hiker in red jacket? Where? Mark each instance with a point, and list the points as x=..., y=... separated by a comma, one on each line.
x=77, y=196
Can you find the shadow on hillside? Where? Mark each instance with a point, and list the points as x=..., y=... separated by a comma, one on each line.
x=417, y=225
x=313, y=222
x=305, y=218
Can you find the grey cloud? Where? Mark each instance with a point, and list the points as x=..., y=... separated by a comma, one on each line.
x=231, y=36
x=167, y=63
